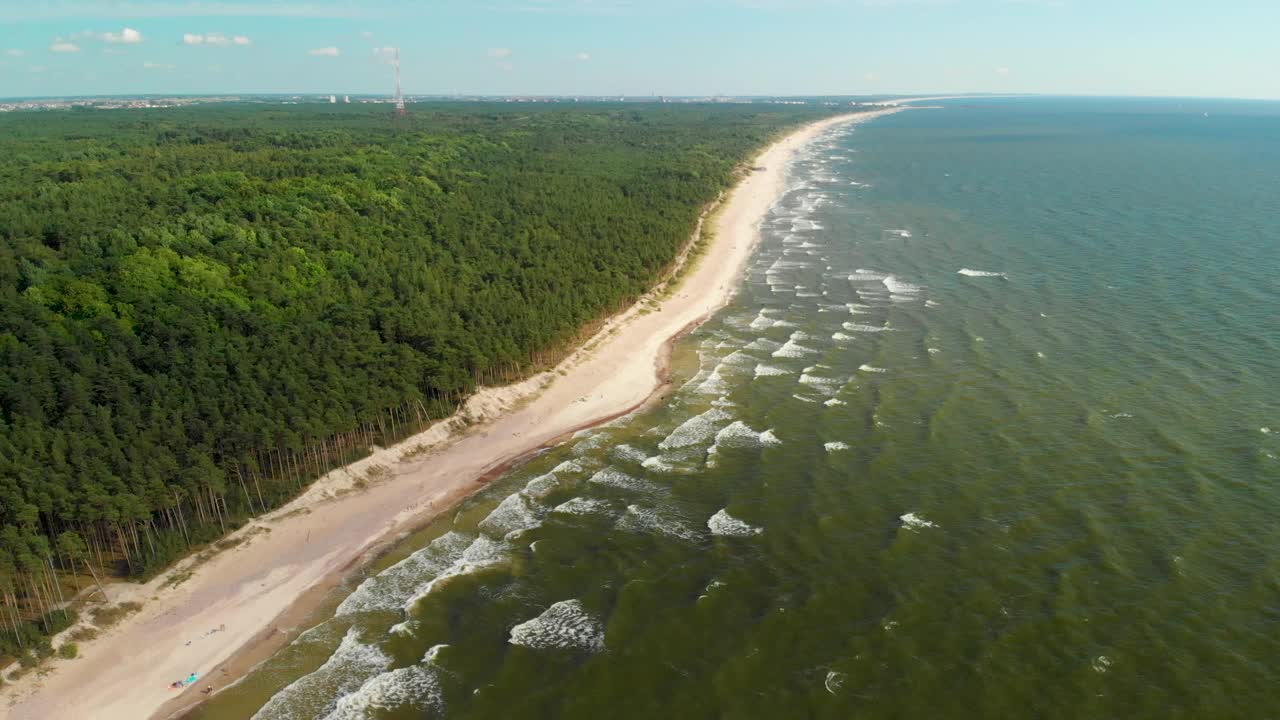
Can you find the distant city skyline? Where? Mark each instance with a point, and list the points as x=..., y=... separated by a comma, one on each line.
x=640, y=48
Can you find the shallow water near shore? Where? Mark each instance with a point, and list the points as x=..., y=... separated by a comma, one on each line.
x=992, y=430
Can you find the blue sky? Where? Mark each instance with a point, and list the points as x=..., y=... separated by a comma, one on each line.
x=1224, y=48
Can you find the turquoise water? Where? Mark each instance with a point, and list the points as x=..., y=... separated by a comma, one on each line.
x=993, y=430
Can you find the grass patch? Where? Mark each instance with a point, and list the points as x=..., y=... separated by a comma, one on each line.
x=83, y=634
x=108, y=615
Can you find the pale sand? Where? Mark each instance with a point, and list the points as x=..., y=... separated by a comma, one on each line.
x=258, y=590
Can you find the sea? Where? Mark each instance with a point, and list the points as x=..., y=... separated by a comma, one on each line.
x=992, y=430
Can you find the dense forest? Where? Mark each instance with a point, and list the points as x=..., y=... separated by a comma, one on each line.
x=202, y=309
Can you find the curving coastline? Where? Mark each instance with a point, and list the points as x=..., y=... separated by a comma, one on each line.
x=289, y=559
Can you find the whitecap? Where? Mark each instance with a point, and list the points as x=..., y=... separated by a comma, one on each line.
x=481, y=554
x=695, y=431
x=836, y=446
x=834, y=681
x=629, y=453
x=899, y=287
x=612, y=477
x=912, y=521
x=310, y=696
x=583, y=506
x=856, y=327
x=513, y=515
x=981, y=273
x=649, y=520
x=792, y=349
x=389, y=589
x=833, y=402
x=413, y=688
x=871, y=369
x=722, y=523
x=566, y=625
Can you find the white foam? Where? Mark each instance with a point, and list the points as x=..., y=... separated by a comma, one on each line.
x=583, y=506
x=871, y=369
x=899, y=287
x=650, y=520
x=515, y=514
x=934, y=351
x=310, y=696
x=862, y=275
x=792, y=349
x=836, y=446
x=1101, y=664
x=764, y=370
x=389, y=589
x=738, y=357
x=898, y=232
x=722, y=523
x=912, y=521
x=841, y=336
x=981, y=273
x=566, y=625
x=696, y=430
x=763, y=344
x=481, y=554
x=612, y=477
x=856, y=327
x=629, y=453
x=411, y=688
x=834, y=681
x=738, y=434
x=1265, y=430
x=541, y=486
x=833, y=402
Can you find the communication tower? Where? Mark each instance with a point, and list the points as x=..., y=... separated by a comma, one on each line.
x=399, y=95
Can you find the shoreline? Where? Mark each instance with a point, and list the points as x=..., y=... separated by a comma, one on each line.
x=258, y=591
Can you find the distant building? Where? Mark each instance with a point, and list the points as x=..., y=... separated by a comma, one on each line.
x=346, y=99
x=333, y=99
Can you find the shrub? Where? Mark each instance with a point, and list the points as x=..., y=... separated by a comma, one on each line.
x=68, y=651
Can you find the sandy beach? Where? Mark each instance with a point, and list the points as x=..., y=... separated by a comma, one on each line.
x=232, y=610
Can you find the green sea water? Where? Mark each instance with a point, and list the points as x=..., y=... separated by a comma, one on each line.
x=991, y=431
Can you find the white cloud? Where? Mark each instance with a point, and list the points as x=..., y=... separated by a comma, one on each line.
x=64, y=47
x=324, y=51
x=15, y=52
x=128, y=36
x=499, y=53
x=582, y=56
x=157, y=66
x=215, y=39
x=1002, y=71
x=70, y=9
x=366, y=34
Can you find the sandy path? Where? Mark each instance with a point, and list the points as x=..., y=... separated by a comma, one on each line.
x=262, y=586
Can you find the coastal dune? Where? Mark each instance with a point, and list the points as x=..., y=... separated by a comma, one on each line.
x=220, y=616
